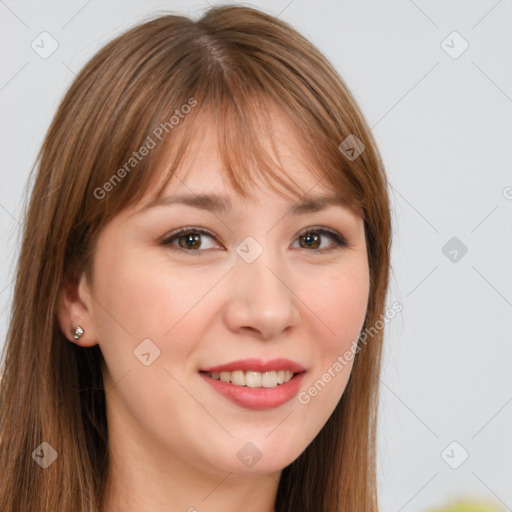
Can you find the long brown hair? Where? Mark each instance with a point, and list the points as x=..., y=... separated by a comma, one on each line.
x=237, y=64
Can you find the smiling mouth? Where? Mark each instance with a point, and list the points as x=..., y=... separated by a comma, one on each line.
x=253, y=379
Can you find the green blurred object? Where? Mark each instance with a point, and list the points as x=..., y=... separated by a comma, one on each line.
x=467, y=507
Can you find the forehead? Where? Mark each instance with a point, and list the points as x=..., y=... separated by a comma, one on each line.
x=275, y=146
x=272, y=166
x=201, y=182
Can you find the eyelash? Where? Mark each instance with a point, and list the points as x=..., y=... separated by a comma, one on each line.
x=339, y=241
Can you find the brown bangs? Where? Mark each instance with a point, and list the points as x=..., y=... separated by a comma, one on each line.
x=240, y=96
x=246, y=131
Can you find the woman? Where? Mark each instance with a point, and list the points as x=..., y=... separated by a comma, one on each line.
x=206, y=243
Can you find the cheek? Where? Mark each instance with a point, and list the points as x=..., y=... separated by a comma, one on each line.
x=341, y=305
x=139, y=300
x=141, y=296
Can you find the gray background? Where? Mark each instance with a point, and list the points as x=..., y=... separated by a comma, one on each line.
x=444, y=128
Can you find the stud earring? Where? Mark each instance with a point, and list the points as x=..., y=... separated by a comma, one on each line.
x=78, y=333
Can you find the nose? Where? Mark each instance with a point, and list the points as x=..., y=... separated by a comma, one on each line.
x=261, y=300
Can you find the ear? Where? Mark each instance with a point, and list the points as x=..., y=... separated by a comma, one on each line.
x=73, y=311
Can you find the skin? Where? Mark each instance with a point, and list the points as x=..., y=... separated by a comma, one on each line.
x=174, y=439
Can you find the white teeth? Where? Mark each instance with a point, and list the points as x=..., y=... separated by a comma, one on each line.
x=253, y=379
x=238, y=378
x=269, y=379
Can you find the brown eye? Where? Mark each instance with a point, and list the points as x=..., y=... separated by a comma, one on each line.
x=193, y=240
x=312, y=239
x=189, y=239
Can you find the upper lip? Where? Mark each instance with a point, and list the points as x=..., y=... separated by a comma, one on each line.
x=257, y=365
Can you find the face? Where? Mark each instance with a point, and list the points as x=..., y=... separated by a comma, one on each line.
x=251, y=292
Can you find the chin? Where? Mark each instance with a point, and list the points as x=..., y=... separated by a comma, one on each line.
x=262, y=455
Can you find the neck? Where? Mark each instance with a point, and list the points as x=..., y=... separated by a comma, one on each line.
x=143, y=476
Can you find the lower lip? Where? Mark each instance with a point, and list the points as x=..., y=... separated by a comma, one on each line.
x=257, y=398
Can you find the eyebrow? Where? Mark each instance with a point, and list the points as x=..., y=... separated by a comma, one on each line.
x=219, y=204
